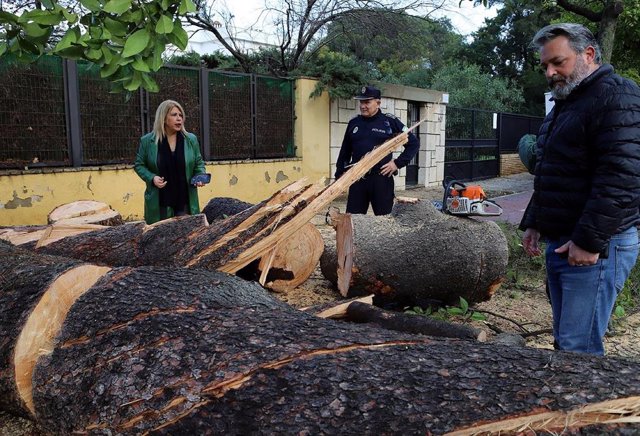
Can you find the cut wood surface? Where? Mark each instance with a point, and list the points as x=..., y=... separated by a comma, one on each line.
x=85, y=212
x=417, y=254
x=76, y=209
x=178, y=351
x=22, y=235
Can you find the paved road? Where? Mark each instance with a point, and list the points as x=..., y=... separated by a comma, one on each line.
x=512, y=193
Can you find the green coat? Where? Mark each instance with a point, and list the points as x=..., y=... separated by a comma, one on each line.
x=146, y=166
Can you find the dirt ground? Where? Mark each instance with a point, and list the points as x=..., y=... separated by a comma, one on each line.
x=512, y=310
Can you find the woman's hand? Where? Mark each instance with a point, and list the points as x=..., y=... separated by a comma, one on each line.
x=159, y=182
x=199, y=184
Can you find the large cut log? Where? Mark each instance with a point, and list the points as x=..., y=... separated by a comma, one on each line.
x=293, y=260
x=416, y=254
x=178, y=351
x=85, y=212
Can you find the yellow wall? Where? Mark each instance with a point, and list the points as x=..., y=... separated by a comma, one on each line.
x=27, y=197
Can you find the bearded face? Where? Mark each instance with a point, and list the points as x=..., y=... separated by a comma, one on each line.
x=561, y=85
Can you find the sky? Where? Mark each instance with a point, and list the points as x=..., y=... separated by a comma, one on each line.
x=465, y=19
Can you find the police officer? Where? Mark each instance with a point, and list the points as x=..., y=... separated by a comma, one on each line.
x=365, y=132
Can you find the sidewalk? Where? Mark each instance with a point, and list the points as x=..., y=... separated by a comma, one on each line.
x=512, y=193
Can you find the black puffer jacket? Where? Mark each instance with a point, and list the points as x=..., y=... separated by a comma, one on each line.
x=587, y=174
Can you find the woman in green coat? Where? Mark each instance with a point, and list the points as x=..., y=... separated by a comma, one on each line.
x=167, y=159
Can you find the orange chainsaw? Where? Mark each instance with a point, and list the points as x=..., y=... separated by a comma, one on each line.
x=462, y=200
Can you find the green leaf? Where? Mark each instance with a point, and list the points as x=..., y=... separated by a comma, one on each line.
x=93, y=54
x=98, y=32
x=92, y=5
x=140, y=65
x=477, y=316
x=3, y=48
x=115, y=27
x=110, y=68
x=132, y=16
x=186, y=6
x=149, y=84
x=35, y=30
x=164, y=4
x=136, y=43
x=117, y=7
x=70, y=16
x=48, y=4
x=156, y=59
x=74, y=52
x=46, y=18
x=69, y=38
x=619, y=311
x=134, y=83
x=179, y=37
x=108, y=54
x=464, y=305
x=164, y=25
x=6, y=17
x=455, y=311
x=28, y=46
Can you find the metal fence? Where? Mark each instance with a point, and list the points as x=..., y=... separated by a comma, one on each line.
x=56, y=112
x=476, y=139
x=471, y=145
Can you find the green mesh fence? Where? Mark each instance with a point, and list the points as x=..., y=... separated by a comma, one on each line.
x=274, y=118
x=230, y=116
x=180, y=84
x=111, y=122
x=32, y=113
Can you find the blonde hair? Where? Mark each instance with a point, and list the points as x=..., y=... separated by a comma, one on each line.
x=161, y=115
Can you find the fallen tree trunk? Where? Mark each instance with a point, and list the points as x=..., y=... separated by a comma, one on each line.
x=176, y=351
x=416, y=254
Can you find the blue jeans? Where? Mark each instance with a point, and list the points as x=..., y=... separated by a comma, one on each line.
x=583, y=297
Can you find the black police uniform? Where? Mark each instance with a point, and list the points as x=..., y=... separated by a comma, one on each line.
x=363, y=135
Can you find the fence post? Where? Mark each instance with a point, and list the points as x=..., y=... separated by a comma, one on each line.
x=205, y=121
x=254, y=116
x=72, y=111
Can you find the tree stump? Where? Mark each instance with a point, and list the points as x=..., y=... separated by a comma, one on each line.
x=416, y=254
x=85, y=212
x=178, y=351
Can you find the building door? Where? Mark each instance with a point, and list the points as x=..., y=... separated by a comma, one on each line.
x=412, y=167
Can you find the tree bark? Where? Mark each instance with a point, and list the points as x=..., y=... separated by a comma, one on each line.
x=416, y=254
x=177, y=351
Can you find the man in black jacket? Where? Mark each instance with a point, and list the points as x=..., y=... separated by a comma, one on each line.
x=587, y=186
x=365, y=132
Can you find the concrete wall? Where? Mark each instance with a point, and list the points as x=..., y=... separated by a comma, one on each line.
x=27, y=196
x=395, y=101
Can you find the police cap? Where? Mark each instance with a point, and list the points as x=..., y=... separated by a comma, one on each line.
x=368, y=93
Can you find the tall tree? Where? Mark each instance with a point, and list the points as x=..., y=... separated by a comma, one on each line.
x=300, y=23
x=603, y=13
x=501, y=47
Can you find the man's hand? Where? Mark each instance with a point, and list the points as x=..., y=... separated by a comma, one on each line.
x=389, y=168
x=160, y=182
x=576, y=256
x=530, y=241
